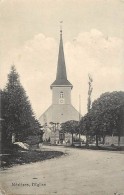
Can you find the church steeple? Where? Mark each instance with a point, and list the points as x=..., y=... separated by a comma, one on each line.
x=61, y=75
x=61, y=109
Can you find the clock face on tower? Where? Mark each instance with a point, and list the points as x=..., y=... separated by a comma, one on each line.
x=61, y=101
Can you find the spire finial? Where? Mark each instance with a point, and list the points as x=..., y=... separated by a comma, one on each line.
x=61, y=27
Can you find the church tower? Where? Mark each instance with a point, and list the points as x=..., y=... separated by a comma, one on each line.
x=61, y=87
x=61, y=109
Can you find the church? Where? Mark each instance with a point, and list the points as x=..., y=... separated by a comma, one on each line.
x=61, y=109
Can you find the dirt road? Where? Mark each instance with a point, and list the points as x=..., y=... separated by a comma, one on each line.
x=80, y=172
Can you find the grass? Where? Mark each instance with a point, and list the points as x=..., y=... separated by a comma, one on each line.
x=23, y=157
x=101, y=147
x=16, y=156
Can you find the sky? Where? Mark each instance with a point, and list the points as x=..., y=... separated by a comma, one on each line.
x=93, y=37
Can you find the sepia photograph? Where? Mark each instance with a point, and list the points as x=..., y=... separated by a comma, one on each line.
x=62, y=97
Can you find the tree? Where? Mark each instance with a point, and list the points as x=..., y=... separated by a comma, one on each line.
x=85, y=126
x=70, y=127
x=108, y=105
x=106, y=116
x=89, y=103
x=119, y=121
x=16, y=110
x=2, y=133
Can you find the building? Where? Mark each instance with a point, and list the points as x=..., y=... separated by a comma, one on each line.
x=61, y=109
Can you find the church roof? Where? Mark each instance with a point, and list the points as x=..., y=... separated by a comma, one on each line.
x=61, y=75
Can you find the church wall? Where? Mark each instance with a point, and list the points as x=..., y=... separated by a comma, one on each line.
x=59, y=113
x=46, y=117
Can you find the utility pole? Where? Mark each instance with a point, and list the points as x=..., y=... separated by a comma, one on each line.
x=79, y=115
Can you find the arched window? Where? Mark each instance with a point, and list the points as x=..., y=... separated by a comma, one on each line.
x=61, y=95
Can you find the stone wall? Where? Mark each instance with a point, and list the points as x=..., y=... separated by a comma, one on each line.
x=109, y=140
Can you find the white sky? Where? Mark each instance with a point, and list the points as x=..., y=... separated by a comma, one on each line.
x=93, y=35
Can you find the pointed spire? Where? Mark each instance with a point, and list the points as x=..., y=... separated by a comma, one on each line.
x=61, y=68
x=61, y=76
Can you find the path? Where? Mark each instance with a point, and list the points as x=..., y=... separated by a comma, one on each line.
x=81, y=172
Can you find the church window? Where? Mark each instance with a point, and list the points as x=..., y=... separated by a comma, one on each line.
x=61, y=94
x=61, y=99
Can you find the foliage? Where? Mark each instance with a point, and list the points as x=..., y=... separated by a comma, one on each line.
x=16, y=110
x=70, y=127
x=106, y=116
